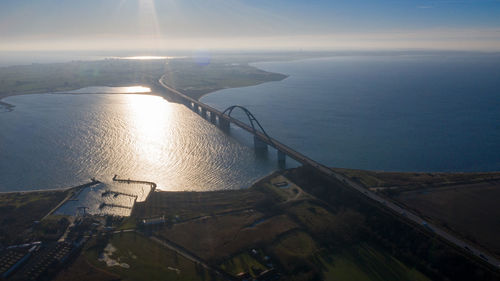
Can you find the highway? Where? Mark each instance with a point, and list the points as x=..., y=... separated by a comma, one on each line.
x=467, y=247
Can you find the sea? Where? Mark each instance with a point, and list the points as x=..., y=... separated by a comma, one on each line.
x=425, y=113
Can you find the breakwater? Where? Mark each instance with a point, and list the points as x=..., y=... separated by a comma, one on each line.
x=150, y=183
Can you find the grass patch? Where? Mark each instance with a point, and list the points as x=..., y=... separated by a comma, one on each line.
x=471, y=210
x=147, y=260
x=40, y=78
x=81, y=270
x=128, y=223
x=197, y=79
x=297, y=244
x=19, y=210
x=243, y=263
x=216, y=238
x=415, y=180
x=188, y=205
x=363, y=263
x=312, y=216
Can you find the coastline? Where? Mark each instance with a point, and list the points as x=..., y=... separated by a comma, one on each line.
x=198, y=96
x=9, y=107
x=156, y=90
x=67, y=92
x=38, y=190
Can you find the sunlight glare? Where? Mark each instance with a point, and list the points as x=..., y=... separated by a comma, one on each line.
x=151, y=124
x=146, y=58
x=137, y=90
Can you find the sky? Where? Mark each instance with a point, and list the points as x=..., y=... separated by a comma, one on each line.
x=249, y=24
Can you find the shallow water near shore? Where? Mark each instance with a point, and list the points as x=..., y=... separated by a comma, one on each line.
x=57, y=140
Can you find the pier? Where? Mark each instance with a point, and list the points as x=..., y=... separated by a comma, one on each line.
x=117, y=193
x=80, y=188
x=150, y=183
x=103, y=205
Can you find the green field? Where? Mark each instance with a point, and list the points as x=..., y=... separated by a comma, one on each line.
x=297, y=244
x=363, y=263
x=42, y=78
x=147, y=260
x=242, y=263
x=183, y=74
x=196, y=80
x=410, y=181
x=19, y=210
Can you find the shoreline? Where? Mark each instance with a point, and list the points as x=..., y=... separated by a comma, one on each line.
x=67, y=92
x=149, y=83
x=9, y=107
x=62, y=189
x=201, y=95
x=155, y=91
x=441, y=179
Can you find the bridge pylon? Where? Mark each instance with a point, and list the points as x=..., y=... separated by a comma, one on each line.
x=259, y=145
x=213, y=118
x=224, y=124
x=281, y=159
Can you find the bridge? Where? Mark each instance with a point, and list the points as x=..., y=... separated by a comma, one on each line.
x=223, y=120
x=262, y=140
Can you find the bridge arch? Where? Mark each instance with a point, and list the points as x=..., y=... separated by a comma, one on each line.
x=253, y=121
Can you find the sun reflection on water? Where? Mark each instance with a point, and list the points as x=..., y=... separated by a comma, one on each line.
x=150, y=125
x=136, y=89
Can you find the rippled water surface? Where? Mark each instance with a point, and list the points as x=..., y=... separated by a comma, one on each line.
x=401, y=113
x=56, y=140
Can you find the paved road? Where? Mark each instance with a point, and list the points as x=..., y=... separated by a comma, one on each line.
x=329, y=172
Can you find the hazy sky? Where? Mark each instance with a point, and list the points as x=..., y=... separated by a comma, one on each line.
x=249, y=24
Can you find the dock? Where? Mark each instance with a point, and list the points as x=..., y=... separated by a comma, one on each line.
x=150, y=183
x=117, y=193
x=103, y=205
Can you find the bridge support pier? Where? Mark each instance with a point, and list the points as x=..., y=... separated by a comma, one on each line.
x=259, y=145
x=203, y=113
x=213, y=118
x=281, y=159
x=224, y=124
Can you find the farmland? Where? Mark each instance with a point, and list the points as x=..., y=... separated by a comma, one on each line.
x=463, y=203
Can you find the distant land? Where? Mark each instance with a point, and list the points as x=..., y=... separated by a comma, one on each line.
x=192, y=77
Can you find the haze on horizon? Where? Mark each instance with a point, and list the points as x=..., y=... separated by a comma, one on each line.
x=154, y=25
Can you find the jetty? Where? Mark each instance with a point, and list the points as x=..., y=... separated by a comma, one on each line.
x=150, y=183
x=117, y=193
x=103, y=205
